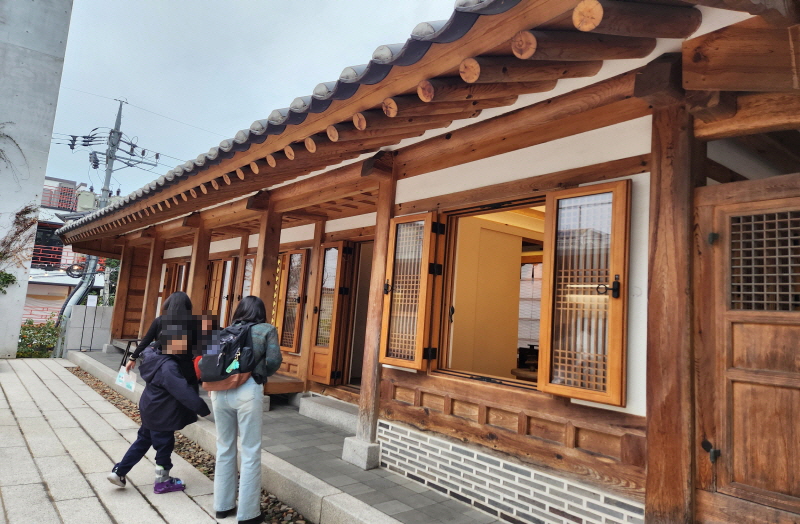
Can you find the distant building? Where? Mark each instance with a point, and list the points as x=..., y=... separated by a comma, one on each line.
x=49, y=285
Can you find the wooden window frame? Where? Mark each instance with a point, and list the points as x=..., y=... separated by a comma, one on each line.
x=617, y=313
x=424, y=320
x=295, y=349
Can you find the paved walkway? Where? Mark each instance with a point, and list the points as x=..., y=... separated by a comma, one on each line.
x=316, y=448
x=58, y=441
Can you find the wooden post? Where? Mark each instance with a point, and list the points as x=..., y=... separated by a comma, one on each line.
x=670, y=422
x=153, y=285
x=121, y=296
x=307, y=335
x=362, y=449
x=266, y=263
x=198, y=269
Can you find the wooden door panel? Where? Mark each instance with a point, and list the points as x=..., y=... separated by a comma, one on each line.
x=766, y=346
x=764, y=419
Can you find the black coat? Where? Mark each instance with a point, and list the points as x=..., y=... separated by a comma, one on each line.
x=168, y=402
x=191, y=326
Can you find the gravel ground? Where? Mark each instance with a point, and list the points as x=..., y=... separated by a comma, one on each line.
x=275, y=511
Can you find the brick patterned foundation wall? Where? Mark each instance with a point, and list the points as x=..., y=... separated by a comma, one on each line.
x=509, y=491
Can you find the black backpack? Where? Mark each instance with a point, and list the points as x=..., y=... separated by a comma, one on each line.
x=233, y=364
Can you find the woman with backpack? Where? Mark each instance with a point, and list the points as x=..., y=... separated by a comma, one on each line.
x=238, y=411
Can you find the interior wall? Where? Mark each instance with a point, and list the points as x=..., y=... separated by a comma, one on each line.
x=486, y=299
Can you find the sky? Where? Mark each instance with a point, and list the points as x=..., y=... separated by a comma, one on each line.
x=194, y=72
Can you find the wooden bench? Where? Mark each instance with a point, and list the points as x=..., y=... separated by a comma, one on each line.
x=279, y=384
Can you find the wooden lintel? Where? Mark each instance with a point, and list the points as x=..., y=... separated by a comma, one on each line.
x=192, y=220
x=749, y=56
x=780, y=149
x=141, y=236
x=259, y=201
x=755, y=113
x=659, y=82
x=719, y=173
x=304, y=215
x=379, y=165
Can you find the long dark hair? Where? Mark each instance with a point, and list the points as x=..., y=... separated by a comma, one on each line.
x=250, y=309
x=178, y=301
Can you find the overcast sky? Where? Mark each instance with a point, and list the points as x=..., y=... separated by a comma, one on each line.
x=215, y=65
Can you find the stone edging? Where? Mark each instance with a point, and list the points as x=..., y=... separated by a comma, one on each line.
x=312, y=497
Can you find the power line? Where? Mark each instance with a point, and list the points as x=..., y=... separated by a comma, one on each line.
x=149, y=111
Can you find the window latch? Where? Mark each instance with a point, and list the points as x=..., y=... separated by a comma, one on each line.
x=602, y=289
x=387, y=288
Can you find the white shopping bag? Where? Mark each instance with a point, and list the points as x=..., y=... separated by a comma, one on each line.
x=126, y=380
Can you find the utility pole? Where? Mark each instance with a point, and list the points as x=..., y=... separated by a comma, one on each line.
x=90, y=269
x=111, y=155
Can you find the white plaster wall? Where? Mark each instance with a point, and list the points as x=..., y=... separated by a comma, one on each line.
x=733, y=156
x=33, y=38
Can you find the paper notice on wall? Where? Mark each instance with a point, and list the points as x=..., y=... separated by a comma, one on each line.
x=91, y=301
x=126, y=380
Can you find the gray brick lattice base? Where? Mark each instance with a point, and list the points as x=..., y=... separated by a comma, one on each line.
x=507, y=490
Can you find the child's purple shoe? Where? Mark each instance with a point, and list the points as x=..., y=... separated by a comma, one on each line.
x=166, y=484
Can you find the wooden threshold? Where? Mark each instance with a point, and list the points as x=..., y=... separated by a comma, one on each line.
x=279, y=384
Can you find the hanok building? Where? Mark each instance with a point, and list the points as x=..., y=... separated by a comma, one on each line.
x=550, y=249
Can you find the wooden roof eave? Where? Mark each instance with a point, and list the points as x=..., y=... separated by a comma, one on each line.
x=488, y=32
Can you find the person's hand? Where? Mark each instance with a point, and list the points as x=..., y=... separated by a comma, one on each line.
x=130, y=365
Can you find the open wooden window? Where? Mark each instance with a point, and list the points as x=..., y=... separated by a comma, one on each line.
x=409, y=275
x=290, y=302
x=584, y=293
x=328, y=330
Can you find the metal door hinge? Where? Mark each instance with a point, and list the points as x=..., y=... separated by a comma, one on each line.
x=438, y=228
x=347, y=251
x=429, y=353
x=435, y=269
x=712, y=238
x=336, y=374
x=387, y=287
x=344, y=290
x=708, y=447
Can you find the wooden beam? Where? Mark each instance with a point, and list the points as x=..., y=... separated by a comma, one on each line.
x=265, y=268
x=709, y=106
x=198, y=269
x=670, y=425
x=504, y=69
x=613, y=17
x=321, y=183
x=153, y=285
x=259, y=201
x=569, y=45
x=305, y=215
x=369, y=398
x=140, y=237
x=343, y=133
x=749, y=56
x=121, y=297
x=455, y=90
x=409, y=106
x=755, y=113
x=376, y=119
x=794, y=46
x=659, y=82
x=192, y=220
x=602, y=104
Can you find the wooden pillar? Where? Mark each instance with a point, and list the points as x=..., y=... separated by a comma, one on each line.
x=198, y=269
x=670, y=423
x=362, y=449
x=307, y=336
x=266, y=263
x=121, y=295
x=238, y=284
x=153, y=285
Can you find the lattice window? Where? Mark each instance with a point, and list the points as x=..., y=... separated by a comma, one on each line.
x=765, y=261
x=327, y=299
x=404, y=304
x=248, y=277
x=580, y=320
x=289, y=325
x=584, y=293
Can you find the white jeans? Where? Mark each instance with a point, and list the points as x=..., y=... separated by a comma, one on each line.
x=238, y=412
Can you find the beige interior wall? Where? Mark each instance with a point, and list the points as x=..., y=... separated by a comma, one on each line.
x=486, y=301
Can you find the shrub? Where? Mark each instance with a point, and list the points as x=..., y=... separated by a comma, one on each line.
x=37, y=340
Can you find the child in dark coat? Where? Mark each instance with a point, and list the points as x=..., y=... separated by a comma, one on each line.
x=168, y=403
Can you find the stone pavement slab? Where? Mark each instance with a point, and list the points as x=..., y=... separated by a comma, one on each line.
x=58, y=441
